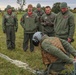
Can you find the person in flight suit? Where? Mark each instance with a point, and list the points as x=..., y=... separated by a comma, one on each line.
x=48, y=21
x=54, y=51
x=10, y=26
x=39, y=13
x=64, y=23
x=28, y=22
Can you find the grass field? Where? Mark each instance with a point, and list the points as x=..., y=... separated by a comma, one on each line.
x=33, y=59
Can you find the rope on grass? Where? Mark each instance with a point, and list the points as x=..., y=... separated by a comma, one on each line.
x=18, y=63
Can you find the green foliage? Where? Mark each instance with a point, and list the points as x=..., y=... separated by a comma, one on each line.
x=7, y=68
x=74, y=11
x=33, y=59
x=56, y=7
x=21, y=3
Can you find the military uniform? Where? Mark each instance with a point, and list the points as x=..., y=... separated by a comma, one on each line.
x=64, y=24
x=39, y=14
x=10, y=26
x=48, y=23
x=30, y=27
x=54, y=52
x=57, y=49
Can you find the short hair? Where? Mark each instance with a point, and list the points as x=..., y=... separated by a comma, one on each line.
x=30, y=5
x=48, y=7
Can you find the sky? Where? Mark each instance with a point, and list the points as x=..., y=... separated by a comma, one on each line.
x=13, y=3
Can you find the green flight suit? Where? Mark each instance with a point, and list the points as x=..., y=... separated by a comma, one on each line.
x=64, y=25
x=63, y=58
x=10, y=26
x=39, y=14
x=48, y=23
x=30, y=27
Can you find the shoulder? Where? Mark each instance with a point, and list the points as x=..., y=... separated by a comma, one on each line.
x=35, y=11
x=70, y=14
x=34, y=14
x=53, y=14
x=42, y=11
x=25, y=14
x=6, y=15
x=43, y=15
x=58, y=14
x=45, y=43
x=14, y=14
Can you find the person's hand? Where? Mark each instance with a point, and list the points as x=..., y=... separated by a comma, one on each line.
x=69, y=40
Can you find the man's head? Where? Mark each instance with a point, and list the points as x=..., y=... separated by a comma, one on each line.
x=47, y=10
x=37, y=38
x=30, y=7
x=38, y=6
x=63, y=7
x=9, y=10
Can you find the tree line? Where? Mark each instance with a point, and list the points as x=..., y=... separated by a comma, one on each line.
x=55, y=8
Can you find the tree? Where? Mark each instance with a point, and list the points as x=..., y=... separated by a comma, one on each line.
x=13, y=9
x=21, y=3
x=56, y=7
x=75, y=8
x=0, y=10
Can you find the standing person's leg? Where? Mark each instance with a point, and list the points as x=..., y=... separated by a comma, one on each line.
x=25, y=42
x=31, y=44
x=8, y=38
x=13, y=37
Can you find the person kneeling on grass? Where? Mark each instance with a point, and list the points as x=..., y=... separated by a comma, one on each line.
x=54, y=51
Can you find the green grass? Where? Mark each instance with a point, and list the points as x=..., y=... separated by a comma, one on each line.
x=33, y=59
x=7, y=68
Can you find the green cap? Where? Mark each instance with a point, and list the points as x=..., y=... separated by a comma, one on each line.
x=38, y=5
x=63, y=5
x=8, y=7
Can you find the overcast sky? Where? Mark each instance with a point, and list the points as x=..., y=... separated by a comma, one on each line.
x=4, y=3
